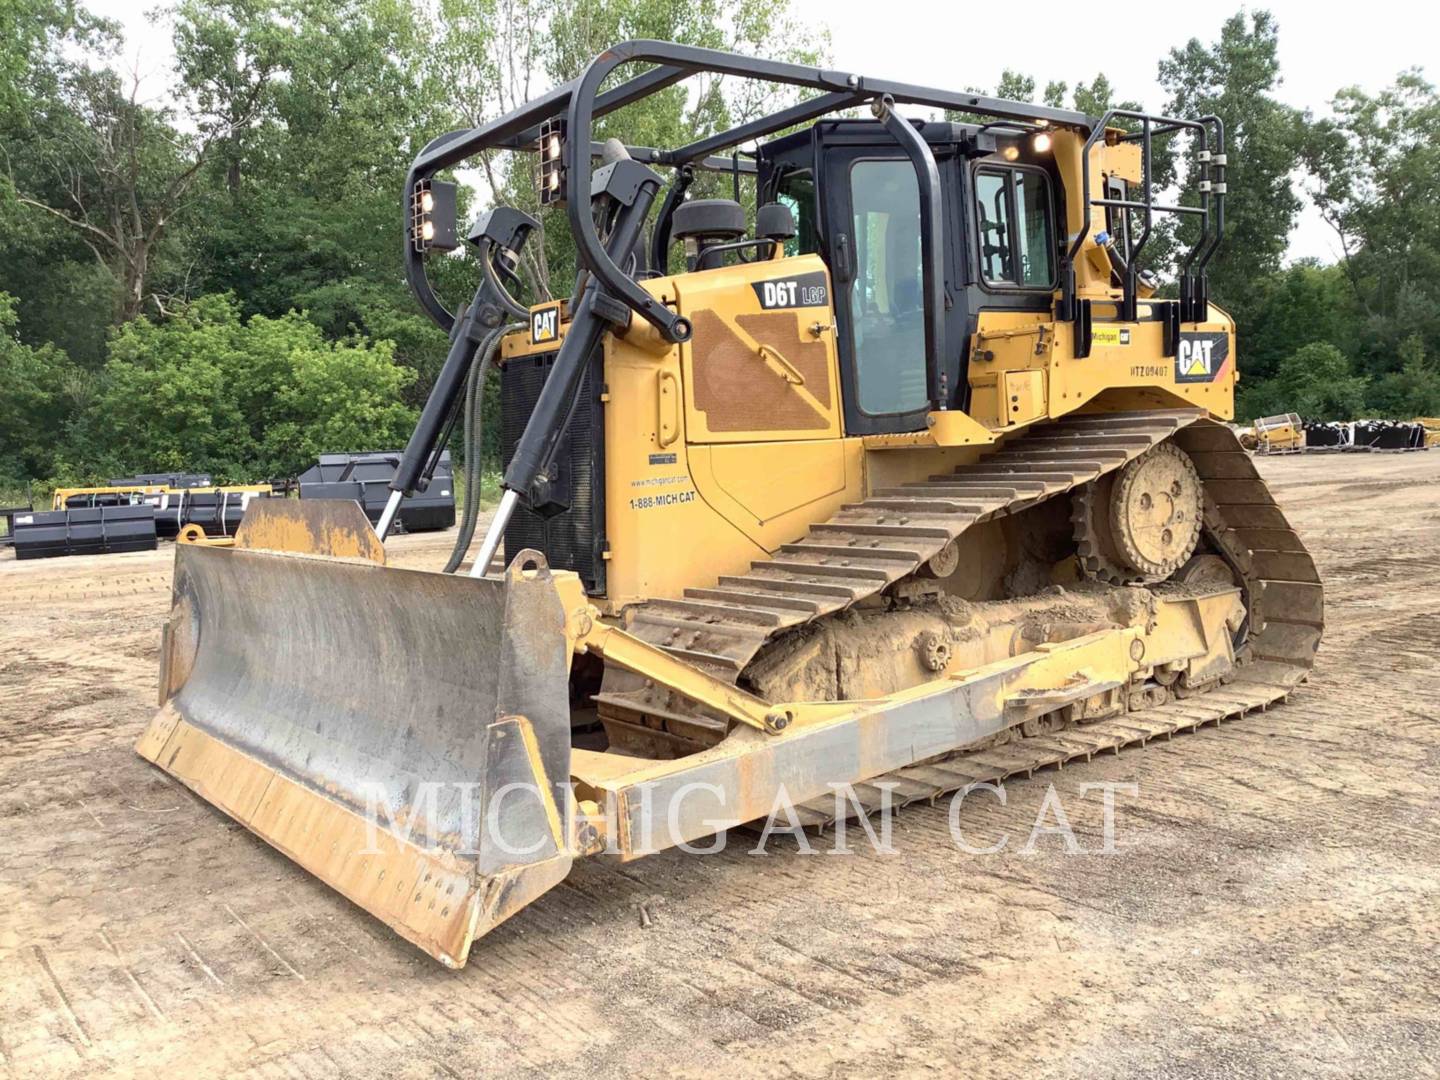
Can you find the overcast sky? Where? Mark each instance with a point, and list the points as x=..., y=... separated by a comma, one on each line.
x=1323, y=46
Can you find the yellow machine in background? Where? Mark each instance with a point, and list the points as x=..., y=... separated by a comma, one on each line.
x=913, y=480
x=161, y=496
x=1279, y=434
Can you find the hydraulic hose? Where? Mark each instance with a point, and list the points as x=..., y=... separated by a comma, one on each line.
x=507, y=301
x=473, y=437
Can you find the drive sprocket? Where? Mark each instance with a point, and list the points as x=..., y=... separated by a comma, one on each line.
x=1142, y=522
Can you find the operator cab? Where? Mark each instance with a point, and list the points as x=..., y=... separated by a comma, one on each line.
x=855, y=197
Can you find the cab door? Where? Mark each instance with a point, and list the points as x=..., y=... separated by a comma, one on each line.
x=872, y=213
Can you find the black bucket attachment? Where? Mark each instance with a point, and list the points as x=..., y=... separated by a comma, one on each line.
x=365, y=478
x=219, y=512
x=100, y=530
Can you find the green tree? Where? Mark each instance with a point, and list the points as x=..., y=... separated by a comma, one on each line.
x=1377, y=182
x=325, y=102
x=36, y=399
x=1015, y=86
x=1315, y=381
x=243, y=399
x=1098, y=96
x=33, y=35
x=1235, y=78
x=1412, y=391
x=1093, y=98
x=1303, y=303
x=62, y=295
x=89, y=151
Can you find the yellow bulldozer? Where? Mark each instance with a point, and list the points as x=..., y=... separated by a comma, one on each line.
x=889, y=474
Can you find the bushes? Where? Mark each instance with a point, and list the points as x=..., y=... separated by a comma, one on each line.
x=1315, y=381
x=241, y=399
x=1319, y=382
x=1412, y=391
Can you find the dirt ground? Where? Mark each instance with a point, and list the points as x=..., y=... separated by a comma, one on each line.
x=1273, y=906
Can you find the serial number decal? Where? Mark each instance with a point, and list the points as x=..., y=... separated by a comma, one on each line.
x=801, y=290
x=1149, y=371
x=665, y=498
x=662, y=459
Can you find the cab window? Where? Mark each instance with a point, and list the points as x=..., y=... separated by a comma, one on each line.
x=796, y=190
x=1117, y=219
x=886, y=297
x=1016, y=228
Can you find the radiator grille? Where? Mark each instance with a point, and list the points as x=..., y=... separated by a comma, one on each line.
x=575, y=539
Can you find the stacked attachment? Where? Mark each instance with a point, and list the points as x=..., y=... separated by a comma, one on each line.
x=365, y=476
x=130, y=516
x=99, y=530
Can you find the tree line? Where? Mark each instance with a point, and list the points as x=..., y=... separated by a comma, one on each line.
x=206, y=275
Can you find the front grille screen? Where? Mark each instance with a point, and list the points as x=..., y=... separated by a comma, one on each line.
x=573, y=540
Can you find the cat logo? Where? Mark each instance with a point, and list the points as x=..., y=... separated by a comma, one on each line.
x=1201, y=357
x=545, y=324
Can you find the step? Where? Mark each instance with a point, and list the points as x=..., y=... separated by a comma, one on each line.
x=850, y=551
x=860, y=528
x=709, y=609
x=929, y=487
x=916, y=506
x=1067, y=458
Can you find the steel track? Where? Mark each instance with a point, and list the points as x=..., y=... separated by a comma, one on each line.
x=870, y=545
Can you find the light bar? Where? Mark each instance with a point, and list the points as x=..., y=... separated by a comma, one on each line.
x=552, y=169
x=432, y=216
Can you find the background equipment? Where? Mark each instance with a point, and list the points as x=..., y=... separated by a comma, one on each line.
x=168, y=480
x=1281, y=434
x=365, y=477
x=879, y=469
x=131, y=515
x=93, y=530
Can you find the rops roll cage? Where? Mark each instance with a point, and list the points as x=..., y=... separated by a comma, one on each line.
x=560, y=125
x=579, y=103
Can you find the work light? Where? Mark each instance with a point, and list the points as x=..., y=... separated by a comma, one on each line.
x=432, y=216
x=552, y=169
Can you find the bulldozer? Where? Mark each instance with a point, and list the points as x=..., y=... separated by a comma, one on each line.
x=893, y=473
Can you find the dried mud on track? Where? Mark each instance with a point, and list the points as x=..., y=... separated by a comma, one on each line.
x=1273, y=908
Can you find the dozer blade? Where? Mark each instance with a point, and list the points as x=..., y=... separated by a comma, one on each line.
x=403, y=735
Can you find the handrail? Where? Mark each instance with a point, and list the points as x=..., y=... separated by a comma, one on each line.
x=581, y=103
x=1193, y=284
x=932, y=245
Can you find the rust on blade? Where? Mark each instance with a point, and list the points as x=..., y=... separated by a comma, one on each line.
x=334, y=527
